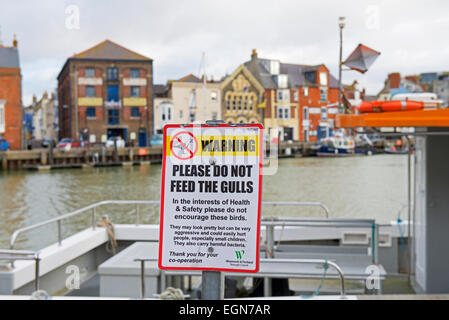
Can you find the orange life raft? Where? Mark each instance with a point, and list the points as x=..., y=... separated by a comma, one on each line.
x=388, y=106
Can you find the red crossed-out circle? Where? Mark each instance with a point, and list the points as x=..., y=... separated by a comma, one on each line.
x=191, y=151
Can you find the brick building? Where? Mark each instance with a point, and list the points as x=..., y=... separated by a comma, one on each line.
x=10, y=96
x=106, y=91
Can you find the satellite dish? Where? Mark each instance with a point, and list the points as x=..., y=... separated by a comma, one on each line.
x=361, y=58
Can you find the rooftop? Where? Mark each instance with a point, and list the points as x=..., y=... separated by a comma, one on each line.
x=108, y=50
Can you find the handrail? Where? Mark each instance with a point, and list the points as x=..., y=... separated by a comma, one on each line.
x=13, y=255
x=299, y=203
x=323, y=262
x=94, y=206
x=315, y=261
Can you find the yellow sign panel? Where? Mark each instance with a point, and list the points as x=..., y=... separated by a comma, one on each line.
x=91, y=102
x=134, y=102
x=262, y=105
x=218, y=145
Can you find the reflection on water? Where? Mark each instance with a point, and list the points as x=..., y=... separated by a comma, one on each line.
x=357, y=187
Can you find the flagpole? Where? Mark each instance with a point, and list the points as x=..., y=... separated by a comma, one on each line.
x=341, y=24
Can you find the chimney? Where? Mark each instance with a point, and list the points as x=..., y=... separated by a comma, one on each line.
x=254, y=55
x=395, y=80
x=14, y=42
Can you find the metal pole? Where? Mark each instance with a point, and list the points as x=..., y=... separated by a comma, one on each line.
x=142, y=279
x=36, y=272
x=267, y=287
x=212, y=285
x=59, y=232
x=94, y=217
x=341, y=25
x=409, y=216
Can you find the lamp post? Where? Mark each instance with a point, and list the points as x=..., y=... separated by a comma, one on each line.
x=341, y=24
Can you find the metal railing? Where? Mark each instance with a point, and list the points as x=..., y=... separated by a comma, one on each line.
x=137, y=203
x=322, y=262
x=267, y=288
x=271, y=222
x=14, y=255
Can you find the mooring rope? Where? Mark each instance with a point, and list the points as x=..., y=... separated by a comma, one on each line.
x=318, y=289
x=107, y=224
x=172, y=294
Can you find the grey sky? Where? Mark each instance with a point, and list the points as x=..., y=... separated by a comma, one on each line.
x=412, y=35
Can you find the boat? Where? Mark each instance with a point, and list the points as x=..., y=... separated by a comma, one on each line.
x=120, y=261
x=394, y=150
x=335, y=146
x=389, y=106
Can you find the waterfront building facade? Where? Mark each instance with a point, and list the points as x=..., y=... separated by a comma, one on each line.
x=106, y=91
x=44, y=121
x=294, y=101
x=187, y=100
x=241, y=97
x=163, y=110
x=11, y=96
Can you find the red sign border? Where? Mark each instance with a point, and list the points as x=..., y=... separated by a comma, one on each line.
x=161, y=220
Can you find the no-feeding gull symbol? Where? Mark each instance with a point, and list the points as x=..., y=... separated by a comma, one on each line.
x=184, y=145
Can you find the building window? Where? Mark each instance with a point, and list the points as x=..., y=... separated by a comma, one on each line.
x=135, y=73
x=305, y=112
x=180, y=114
x=112, y=93
x=283, y=112
x=214, y=116
x=91, y=112
x=240, y=103
x=323, y=113
x=323, y=94
x=167, y=111
x=112, y=74
x=228, y=104
x=135, y=113
x=90, y=91
x=283, y=95
x=214, y=96
x=282, y=81
x=135, y=92
x=306, y=91
x=192, y=99
x=295, y=96
x=89, y=73
x=113, y=116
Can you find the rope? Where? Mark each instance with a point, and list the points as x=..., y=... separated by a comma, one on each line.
x=107, y=224
x=172, y=294
x=317, y=291
x=401, y=235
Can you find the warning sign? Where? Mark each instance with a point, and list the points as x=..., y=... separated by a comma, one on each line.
x=211, y=197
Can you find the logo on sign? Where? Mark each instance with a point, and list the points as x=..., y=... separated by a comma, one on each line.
x=240, y=254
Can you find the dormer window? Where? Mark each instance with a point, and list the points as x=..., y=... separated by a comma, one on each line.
x=282, y=81
x=274, y=67
x=323, y=79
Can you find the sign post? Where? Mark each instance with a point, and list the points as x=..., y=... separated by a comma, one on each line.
x=211, y=201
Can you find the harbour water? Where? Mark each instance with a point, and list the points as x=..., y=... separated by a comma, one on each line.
x=353, y=187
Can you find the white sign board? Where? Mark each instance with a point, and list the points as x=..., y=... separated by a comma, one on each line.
x=211, y=197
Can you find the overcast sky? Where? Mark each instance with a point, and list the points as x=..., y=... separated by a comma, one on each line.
x=412, y=35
